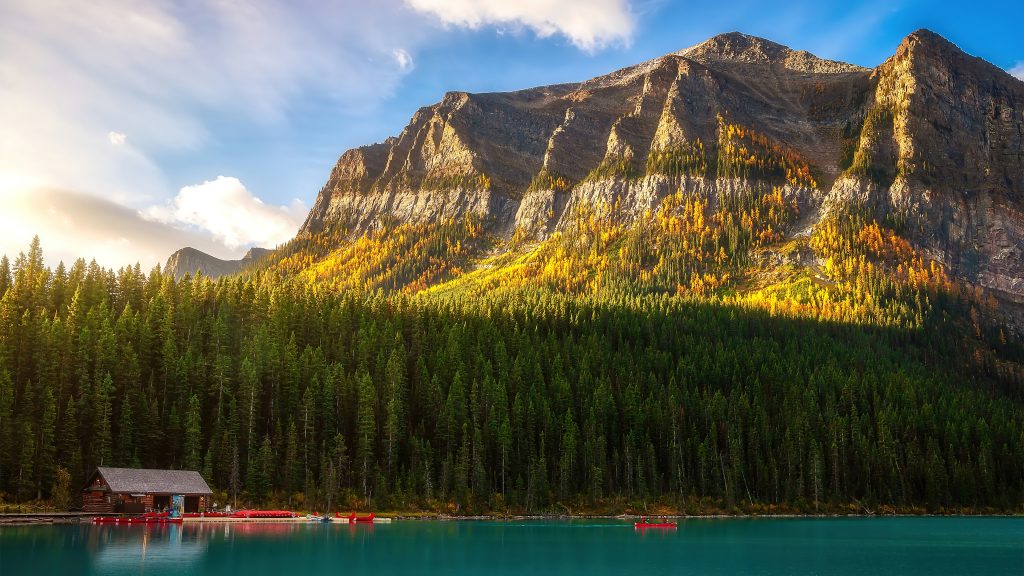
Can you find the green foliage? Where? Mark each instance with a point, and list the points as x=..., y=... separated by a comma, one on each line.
x=687, y=159
x=615, y=167
x=748, y=155
x=517, y=399
x=877, y=127
x=193, y=435
x=61, y=491
x=405, y=257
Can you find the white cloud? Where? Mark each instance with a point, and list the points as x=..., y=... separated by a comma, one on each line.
x=170, y=74
x=72, y=225
x=116, y=138
x=403, y=59
x=588, y=24
x=228, y=212
x=1018, y=70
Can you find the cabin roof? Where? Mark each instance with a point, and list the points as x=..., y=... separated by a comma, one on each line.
x=148, y=481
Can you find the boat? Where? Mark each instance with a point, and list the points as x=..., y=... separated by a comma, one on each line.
x=664, y=524
x=206, y=515
x=135, y=520
x=263, y=514
x=353, y=519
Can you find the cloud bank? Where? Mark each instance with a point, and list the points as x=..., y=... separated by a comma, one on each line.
x=227, y=211
x=588, y=24
x=108, y=97
x=96, y=96
x=116, y=236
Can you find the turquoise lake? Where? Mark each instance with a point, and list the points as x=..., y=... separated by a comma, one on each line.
x=875, y=546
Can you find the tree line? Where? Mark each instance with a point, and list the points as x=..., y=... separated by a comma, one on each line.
x=525, y=399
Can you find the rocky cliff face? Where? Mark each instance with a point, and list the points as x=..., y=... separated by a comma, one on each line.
x=931, y=140
x=189, y=261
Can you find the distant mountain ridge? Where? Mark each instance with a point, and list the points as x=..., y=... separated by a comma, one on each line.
x=932, y=138
x=930, y=143
x=189, y=260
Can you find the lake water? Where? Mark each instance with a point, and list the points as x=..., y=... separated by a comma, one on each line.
x=875, y=546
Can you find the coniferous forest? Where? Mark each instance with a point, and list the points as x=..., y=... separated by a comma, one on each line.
x=526, y=399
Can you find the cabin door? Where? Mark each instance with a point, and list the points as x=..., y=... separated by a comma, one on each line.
x=161, y=502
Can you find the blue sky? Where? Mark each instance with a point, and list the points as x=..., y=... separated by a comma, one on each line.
x=132, y=129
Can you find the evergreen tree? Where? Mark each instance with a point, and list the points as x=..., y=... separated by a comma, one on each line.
x=888, y=387
x=366, y=432
x=193, y=435
x=102, y=390
x=292, y=465
x=69, y=448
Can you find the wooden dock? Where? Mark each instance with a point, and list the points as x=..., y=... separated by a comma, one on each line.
x=16, y=518
x=45, y=517
x=296, y=520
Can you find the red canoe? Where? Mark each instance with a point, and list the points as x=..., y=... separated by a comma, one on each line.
x=644, y=523
x=136, y=520
x=263, y=514
x=353, y=519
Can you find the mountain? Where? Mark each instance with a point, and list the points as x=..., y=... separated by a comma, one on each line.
x=735, y=279
x=929, y=145
x=188, y=260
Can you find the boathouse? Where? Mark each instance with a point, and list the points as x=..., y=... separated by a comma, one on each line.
x=137, y=490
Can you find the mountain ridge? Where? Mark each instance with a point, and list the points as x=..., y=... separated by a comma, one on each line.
x=928, y=144
x=190, y=260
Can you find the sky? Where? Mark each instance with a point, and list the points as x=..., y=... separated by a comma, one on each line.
x=132, y=128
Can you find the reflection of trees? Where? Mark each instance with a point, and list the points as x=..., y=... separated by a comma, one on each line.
x=124, y=548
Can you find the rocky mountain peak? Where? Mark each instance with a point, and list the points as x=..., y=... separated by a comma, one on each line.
x=926, y=53
x=189, y=260
x=931, y=139
x=737, y=47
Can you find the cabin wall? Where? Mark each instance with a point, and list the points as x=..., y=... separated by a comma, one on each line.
x=97, y=501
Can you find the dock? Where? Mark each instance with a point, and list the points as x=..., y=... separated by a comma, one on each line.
x=296, y=520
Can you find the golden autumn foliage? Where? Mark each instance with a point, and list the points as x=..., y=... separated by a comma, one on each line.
x=735, y=249
x=408, y=257
x=749, y=155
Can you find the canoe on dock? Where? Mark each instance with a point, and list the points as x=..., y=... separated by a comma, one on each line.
x=136, y=520
x=264, y=514
x=353, y=519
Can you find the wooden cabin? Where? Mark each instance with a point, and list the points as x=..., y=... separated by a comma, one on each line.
x=138, y=490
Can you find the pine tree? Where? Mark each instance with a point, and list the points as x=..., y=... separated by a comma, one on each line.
x=261, y=481
x=567, y=462
x=25, y=480
x=395, y=410
x=462, y=464
x=505, y=449
x=367, y=431
x=193, y=435
x=46, y=442
x=235, y=476
x=69, y=447
x=125, y=452
x=7, y=423
x=292, y=465
x=102, y=410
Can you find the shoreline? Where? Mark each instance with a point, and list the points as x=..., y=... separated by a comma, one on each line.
x=60, y=518
x=542, y=517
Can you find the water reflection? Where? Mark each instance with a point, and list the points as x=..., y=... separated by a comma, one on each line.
x=899, y=546
x=154, y=548
x=119, y=549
